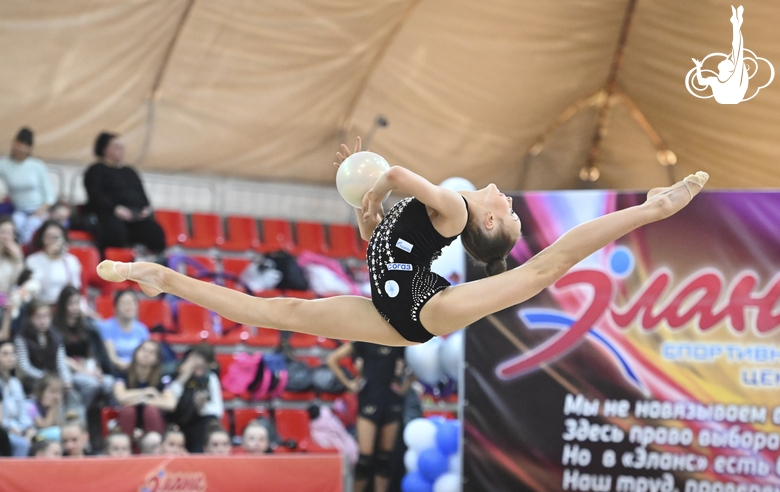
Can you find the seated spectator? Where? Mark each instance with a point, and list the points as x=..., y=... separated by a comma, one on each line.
x=60, y=212
x=28, y=185
x=118, y=445
x=45, y=448
x=255, y=439
x=46, y=409
x=5, y=444
x=85, y=352
x=199, y=395
x=14, y=416
x=51, y=264
x=216, y=441
x=75, y=438
x=150, y=443
x=141, y=393
x=123, y=333
x=117, y=199
x=40, y=348
x=11, y=259
x=173, y=443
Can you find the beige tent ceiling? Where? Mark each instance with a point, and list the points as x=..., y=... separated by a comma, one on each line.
x=268, y=88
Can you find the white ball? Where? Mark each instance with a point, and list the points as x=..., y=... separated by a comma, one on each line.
x=357, y=174
x=420, y=434
x=457, y=184
x=410, y=460
x=449, y=482
x=423, y=359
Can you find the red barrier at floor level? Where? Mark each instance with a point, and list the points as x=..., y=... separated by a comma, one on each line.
x=301, y=473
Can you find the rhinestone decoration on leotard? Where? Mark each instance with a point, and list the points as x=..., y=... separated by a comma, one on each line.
x=423, y=288
x=379, y=252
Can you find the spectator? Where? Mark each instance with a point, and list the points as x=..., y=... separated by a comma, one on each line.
x=14, y=417
x=60, y=212
x=45, y=448
x=151, y=443
x=216, y=441
x=75, y=438
x=28, y=185
x=11, y=259
x=173, y=443
x=85, y=352
x=141, y=392
x=40, y=348
x=381, y=388
x=6, y=449
x=51, y=264
x=116, y=197
x=123, y=333
x=118, y=445
x=255, y=439
x=46, y=409
x=199, y=395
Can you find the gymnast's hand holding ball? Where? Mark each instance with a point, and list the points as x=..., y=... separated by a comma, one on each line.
x=358, y=173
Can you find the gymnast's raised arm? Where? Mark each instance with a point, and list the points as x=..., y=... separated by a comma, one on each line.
x=446, y=208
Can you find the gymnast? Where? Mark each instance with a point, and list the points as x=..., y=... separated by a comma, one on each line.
x=410, y=304
x=731, y=84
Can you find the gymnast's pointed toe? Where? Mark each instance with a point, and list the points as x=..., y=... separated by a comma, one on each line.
x=109, y=270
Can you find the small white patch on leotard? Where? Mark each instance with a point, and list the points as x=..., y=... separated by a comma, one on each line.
x=391, y=287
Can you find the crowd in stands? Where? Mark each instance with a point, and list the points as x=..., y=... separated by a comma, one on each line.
x=62, y=363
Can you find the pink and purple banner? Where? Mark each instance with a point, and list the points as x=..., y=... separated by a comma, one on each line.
x=652, y=365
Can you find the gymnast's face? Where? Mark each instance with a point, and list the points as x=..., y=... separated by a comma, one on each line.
x=499, y=207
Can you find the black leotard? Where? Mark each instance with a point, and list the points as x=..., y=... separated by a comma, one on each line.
x=400, y=253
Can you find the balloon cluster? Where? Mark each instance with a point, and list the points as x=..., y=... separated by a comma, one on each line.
x=432, y=460
x=437, y=359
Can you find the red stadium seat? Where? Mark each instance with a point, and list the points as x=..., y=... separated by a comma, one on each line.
x=292, y=423
x=310, y=236
x=277, y=235
x=343, y=241
x=302, y=340
x=153, y=312
x=174, y=225
x=104, y=306
x=206, y=231
x=80, y=237
x=242, y=234
x=234, y=266
x=195, y=324
x=242, y=417
x=89, y=258
x=120, y=254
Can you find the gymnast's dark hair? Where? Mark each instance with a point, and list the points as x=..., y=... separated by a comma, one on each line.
x=102, y=141
x=488, y=250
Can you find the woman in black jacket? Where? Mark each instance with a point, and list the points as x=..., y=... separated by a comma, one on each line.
x=116, y=197
x=85, y=352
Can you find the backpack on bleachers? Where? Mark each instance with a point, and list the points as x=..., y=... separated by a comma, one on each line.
x=262, y=376
x=293, y=276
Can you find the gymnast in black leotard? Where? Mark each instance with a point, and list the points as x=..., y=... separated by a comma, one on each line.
x=410, y=303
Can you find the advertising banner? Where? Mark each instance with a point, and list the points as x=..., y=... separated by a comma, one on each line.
x=654, y=365
x=312, y=473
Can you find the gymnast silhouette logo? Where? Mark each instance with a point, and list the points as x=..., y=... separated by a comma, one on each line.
x=735, y=70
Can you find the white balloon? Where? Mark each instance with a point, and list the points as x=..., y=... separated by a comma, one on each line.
x=449, y=482
x=410, y=460
x=420, y=434
x=357, y=174
x=454, y=464
x=457, y=184
x=423, y=359
x=451, y=355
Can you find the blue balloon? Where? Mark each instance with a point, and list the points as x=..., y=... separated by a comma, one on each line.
x=432, y=463
x=415, y=482
x=438, y=420
x=447, y=436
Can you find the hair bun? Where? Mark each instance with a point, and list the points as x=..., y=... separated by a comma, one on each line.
x=495, y=267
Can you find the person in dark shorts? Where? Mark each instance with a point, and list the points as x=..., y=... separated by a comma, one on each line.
x=381, y=385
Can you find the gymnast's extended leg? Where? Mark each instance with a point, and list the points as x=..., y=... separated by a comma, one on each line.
x=461, y=305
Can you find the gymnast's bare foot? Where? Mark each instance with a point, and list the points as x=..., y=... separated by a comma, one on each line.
x=672, y=199
x=148, y=275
